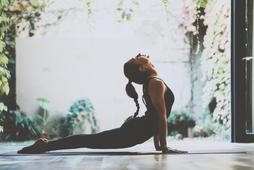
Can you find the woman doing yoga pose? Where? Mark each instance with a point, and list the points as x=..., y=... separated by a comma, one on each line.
x=158, y=99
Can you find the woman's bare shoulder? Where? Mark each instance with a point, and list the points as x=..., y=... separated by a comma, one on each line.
x=156, y=84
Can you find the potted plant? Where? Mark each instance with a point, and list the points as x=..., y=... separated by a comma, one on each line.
x=180, y=121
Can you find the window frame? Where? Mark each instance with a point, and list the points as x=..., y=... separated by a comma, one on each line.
x=240, y=103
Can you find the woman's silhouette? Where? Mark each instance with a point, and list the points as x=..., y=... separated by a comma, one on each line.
x=158, y=99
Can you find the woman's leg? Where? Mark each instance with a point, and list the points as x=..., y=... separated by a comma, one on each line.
x=123, y=137
x=115, y=138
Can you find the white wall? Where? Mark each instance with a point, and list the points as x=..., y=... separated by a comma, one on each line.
x=71, y=62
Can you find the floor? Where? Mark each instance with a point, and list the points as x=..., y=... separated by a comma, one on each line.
x=203, y=155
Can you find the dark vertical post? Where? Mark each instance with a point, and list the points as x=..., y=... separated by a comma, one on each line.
x=238, y=52
x=248, y=64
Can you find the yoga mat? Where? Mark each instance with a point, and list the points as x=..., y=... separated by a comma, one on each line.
x=116, y=153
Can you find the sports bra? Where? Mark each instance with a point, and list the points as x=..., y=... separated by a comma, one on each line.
x=151, y=111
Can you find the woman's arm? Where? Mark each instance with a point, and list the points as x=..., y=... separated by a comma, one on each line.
x=156, y=90
x=156, y=142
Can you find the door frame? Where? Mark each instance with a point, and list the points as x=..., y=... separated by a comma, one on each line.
x=239, y=87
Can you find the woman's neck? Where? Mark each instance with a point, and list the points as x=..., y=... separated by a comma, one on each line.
x=151, y=77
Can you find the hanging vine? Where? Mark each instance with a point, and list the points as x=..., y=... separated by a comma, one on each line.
x=126, y=9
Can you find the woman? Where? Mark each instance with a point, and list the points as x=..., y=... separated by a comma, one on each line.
x=158, y=99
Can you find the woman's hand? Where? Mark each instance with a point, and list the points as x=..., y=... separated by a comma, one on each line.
x=157, y=148
x=167, y=150
x=156, y=142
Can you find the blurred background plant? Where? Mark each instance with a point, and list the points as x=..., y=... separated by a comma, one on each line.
x=207, y=29
x=179, y=122
x=204, y=126
x=126, y=9
x=16, y=16
x=79, y=119
x=18, y=126
x=40, y=118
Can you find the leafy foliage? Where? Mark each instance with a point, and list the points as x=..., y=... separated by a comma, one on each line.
x=214, y=46
x=205, y=126
x=216, y=62
x=180, y=121
x=18, y=126
x=181, y=118
x=41, y=116
x=126, y=12
x=202, y=3
x=15, y=16
x=79, y=119
x=80, y=112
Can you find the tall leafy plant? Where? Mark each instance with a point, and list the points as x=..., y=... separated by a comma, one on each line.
x=15, y=16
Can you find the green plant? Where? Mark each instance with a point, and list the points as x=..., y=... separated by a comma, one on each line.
x=202, y=3
x=40, y=118
x=126, y=13
x=181, y=118
x=56, y=126
x=15, y=17
x=79, y=119
x=180, y=121
x=205, y=127
x=80, y=112
x=17, y=126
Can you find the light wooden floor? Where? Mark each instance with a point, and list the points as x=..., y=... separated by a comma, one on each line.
x=204, y=155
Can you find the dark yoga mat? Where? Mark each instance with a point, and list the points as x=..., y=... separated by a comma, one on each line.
x=116, y=153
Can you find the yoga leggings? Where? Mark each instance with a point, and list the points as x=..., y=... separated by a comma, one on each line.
x=110, y=139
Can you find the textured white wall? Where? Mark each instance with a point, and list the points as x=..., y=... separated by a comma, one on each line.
x=72, y=61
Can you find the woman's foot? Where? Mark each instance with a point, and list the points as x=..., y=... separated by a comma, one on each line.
x=174, y=151
x=39, y=146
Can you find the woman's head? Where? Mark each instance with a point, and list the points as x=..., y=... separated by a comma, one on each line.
x=137, y=70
